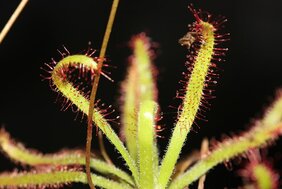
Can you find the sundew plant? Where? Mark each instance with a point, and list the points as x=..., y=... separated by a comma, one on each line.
x=75, y=78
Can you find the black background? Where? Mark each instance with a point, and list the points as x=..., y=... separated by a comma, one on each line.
x=252, y=72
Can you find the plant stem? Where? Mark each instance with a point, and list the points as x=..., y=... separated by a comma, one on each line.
x=204, y=152
x=12, y=19
x=94, y=90
x=103, y=149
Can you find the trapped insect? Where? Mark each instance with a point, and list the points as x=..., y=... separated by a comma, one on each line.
x=188, y=39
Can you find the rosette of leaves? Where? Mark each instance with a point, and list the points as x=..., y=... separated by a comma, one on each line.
x=139, y=123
